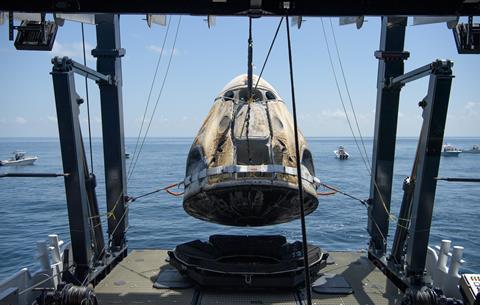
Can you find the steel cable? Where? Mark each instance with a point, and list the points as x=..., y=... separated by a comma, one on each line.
x=308, y=285
x=134, y=161
x=149, y=95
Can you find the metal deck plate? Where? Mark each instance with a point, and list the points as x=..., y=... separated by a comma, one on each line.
x=131, y=282
x=247, y=298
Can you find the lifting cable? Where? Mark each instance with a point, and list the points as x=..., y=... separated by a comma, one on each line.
x=249, y=85
x=269, y=51
x=340, y=95
x=308, y=285
x=348, y=93
x=150, y=93
x=135, y=160
x=364, y=158
x=88, y=102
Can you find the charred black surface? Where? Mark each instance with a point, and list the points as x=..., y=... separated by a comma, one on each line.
x=246, y=262
x=250, y=205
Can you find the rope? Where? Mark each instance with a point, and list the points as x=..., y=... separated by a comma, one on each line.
x=348, y=93
x=269, y=51
x=340, y=95
x=308, y=285
x=43, y=282
x=167, y=189
x=158, y=98
x=364, y=158
x=88, y=102
x=336, y=190
x=149, y=95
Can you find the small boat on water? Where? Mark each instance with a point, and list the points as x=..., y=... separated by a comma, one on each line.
x=450, y=151
x=474, y=150
x=340, y=153
x=19, y=159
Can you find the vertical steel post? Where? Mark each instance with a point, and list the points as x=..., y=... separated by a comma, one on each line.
x=391, y=57
x=108, y=54
x=434, y=118
x=73, y=158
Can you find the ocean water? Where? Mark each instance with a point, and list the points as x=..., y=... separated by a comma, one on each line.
x=32, y=208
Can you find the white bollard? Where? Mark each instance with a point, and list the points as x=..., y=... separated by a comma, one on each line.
x=55, y=247
x=451, y=281
x=42, y=255
x=441, y=271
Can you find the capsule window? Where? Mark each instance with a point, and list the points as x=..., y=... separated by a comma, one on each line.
x=243, y=95
x=307, y=161
x=270, y=95
x=228, y=95
x=195, y=160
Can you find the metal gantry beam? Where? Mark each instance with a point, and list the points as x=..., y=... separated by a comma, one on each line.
x=245, y=7
x=108, y=53
x=73, y=158
x=430, y=145
x=391, y=56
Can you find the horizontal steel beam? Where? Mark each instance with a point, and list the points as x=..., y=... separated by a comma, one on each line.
x=32, y=175
x=458, y=179
x=249, y=7
x=420, y=72
x=67, y=64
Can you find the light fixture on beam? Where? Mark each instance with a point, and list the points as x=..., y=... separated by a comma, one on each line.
x=467, y=37
x=36, y=35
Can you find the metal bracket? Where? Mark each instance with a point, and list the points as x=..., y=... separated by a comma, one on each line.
x=392, y=55
x=65, y=64
x=108, y=52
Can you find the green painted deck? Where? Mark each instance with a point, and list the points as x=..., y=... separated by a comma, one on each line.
x=131, y=282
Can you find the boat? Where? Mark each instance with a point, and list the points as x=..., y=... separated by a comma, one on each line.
x=450, y=151
x=340, y=153
x=245, y=151
x=474, y=150
x=19, y=159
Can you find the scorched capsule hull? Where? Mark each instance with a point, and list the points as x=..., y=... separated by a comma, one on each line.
x=241, y=169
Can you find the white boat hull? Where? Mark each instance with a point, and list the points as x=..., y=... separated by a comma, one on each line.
x=450, y=153
x=22, y=162
x=341, y=156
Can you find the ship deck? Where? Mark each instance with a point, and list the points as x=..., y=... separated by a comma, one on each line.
x=131, y=282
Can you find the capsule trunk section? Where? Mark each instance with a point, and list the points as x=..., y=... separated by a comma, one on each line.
x=241, y=168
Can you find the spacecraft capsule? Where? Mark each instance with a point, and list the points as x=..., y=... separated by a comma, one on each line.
x=241, y=169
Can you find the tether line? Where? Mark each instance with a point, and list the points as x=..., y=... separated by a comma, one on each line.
x=308, y=285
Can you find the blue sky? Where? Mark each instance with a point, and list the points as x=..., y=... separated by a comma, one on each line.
x=204, y=60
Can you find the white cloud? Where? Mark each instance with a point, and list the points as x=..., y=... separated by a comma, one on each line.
x=139, y=120
x=20, y=120
x=74, y=49
x=158, y=49
x=471, y=105
x=335, y=114
x=52, y=118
